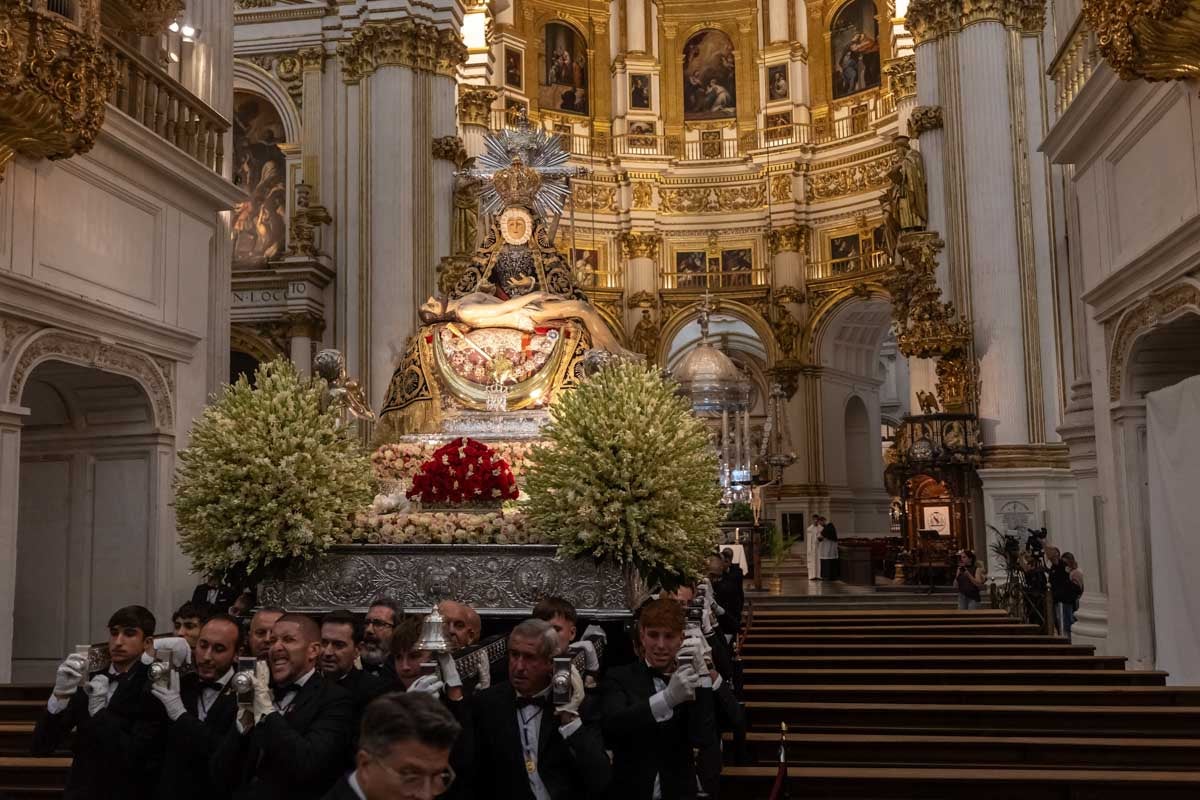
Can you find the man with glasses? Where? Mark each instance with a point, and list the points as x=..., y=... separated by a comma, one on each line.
x=382, y=617
x=403, y=751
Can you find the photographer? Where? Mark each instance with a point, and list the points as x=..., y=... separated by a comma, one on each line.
x=1033, y=575
x=969, y=580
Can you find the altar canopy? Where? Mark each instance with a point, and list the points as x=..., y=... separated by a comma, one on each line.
x=1173, y=466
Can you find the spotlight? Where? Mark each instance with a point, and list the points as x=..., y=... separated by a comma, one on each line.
x=173, y=27
x=174, y=57
x=188, y=31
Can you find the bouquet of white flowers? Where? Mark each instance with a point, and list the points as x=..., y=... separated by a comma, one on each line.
x=269, y=474
x=629, y=474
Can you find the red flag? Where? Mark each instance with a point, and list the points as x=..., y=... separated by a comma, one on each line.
x=779, y=789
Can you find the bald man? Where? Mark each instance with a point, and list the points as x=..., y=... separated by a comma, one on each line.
x=463, y=627
x=293, y=742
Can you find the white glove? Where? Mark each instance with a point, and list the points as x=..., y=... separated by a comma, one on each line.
x=591, y=661
x=180, y=651
x=595, y=632
x=68, y=675
x=485, y=671
x=429, y=684
x=448, y=670
x=170, y=698
x=97, y=692
x=577, y=694
x=682, y=686
x=264, y=699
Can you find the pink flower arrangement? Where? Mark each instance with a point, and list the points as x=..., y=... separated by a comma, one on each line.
x=463, y=472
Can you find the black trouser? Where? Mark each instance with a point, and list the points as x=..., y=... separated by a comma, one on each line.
x=830, y=569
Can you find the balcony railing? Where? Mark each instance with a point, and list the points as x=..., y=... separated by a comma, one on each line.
x=164, y=106
x=848, y=265
x=743, y=279
x=1076, y=61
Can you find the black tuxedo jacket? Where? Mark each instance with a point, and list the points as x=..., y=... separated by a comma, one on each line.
x=117, y=753
x=571, y=769
x=363, y=687
x=829, y=532
x=225, y=596
x=297, y=754
x=643, y=747
x=342, y=791
x=191, y=742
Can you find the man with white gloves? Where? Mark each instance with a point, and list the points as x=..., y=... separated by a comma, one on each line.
x=655, y=711
x=118, y=726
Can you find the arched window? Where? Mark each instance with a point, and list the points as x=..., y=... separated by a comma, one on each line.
x=564, y=84
x=709, y=76
x=259, y=167
x=854, y=48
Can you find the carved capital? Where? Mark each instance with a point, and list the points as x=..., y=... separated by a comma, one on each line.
x=641, y=299
x=924, y=118
x=788, y=239
x=1150, y=39
x=902, y=76
x=786, y=374
x=312, y=58
x=306, y=221
x=404, y=43
x=640, y=245
x=475, y=104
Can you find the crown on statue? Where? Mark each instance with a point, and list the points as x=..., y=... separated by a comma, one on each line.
x=517, y=184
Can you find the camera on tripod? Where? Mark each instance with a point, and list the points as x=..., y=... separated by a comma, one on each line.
x=1036, y=543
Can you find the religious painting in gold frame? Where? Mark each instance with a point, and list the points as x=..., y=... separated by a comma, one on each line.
x=709, y=76
x=564, y=79
x=514, y=68
x=854, y=48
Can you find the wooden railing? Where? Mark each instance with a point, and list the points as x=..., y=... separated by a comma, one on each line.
x=849, y=265
x=167, y=108
x=1075, y=62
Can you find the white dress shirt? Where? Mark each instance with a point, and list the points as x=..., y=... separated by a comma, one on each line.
x=529, y=724
x=209, y=695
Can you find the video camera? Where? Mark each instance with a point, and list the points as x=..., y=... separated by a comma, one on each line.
x=1036, y=543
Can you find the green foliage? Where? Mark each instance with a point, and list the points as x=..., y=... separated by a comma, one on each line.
x=268, y=475
x=740, y=512
x=628, y=474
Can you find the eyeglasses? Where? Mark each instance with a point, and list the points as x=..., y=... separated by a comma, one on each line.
x=379, y=623
x=412, y=782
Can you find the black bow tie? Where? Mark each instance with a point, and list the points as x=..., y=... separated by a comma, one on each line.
x=117, y=677
x=540, y=702
x=215, y=685
x=282, y=691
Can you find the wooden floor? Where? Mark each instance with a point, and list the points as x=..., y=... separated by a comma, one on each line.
x=932, y=703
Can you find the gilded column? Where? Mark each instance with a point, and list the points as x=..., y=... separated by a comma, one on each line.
x=312, y=71
x=640, y=250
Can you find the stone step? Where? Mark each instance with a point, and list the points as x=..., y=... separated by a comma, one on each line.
x=971, y=718
x=867, y=629
x=952, y=648
x=759, y=636
x=937, y=677
x=943, y=782
x=901, y=663
x=21, y=710
x=836, y=749
x=975, y=694
x=24, y=776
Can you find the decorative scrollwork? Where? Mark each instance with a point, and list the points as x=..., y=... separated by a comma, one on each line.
x=1151, y=39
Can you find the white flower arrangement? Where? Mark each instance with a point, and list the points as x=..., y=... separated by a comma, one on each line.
x=441, y=527
x=400, y=461
x=268, y=475
x=628, y=476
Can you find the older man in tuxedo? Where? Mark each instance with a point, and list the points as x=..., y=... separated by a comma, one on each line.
x=201, y=707
x=292, y=743
x=532, y=747
x=656, y=710
x=118, y=728
x=403, y=751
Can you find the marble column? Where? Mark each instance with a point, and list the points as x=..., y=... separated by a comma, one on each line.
x=778, y=29
x=312, y=66
x=635, y=26
x=641, y=275
x=10, y=482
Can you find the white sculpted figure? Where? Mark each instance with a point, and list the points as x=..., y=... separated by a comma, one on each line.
x=525, y=312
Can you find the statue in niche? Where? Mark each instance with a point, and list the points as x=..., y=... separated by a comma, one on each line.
x=787, y=329
x=465, y=228
x=645, y=336
x=906, y=202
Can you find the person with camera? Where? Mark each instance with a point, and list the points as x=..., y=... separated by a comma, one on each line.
x=969, y=580
x=1066, y=587
x=403, y=753
x=655, y=711
x=117, y=726
x=201, y=707
x=531, y=742
x=292, y=732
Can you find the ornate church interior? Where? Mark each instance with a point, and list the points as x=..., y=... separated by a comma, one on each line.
x=928, y=271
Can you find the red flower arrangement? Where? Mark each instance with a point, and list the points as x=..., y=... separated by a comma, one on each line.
x=463, y=472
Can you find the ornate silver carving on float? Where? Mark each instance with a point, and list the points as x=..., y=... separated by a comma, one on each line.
x=501, y=580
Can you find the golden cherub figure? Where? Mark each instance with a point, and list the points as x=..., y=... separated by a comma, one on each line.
x=343, y=390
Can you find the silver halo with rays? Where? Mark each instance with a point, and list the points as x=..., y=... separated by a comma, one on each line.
x=540, y=151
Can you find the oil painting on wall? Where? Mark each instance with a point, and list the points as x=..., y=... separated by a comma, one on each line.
x=565, y=80
x=854, y=48
x=709, y=77
x=259, y=223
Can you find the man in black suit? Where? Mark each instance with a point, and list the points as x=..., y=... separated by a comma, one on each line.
x=341, y=641
x=529, y=747
x=403, y=751
x=201, y=707
x=383, y=615
x=293, y=742
x=262, y=631
x=215, y=593
x=827, y=549
x=188, y=619
x=117, y=748
x=656, y=710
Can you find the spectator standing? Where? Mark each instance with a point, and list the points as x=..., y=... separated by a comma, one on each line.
x=969, y=580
